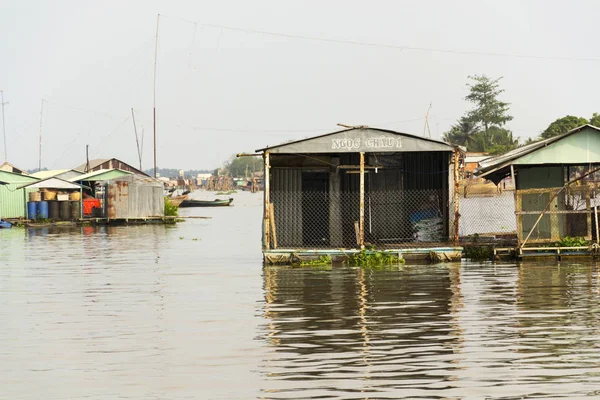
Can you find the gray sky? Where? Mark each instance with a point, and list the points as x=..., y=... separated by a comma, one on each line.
x=222, y=91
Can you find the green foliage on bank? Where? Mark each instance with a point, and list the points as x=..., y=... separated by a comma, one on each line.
x=171, y=210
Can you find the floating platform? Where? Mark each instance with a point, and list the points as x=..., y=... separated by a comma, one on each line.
x=556, y=253
x=411, y=255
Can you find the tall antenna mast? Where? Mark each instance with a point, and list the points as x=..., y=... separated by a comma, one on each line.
x=426, y=127
x=154, y=93
x=41, y=119
x=3, y=126
x=137, y=142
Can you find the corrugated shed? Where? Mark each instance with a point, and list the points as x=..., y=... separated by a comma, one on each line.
x=13, y=200
x=135, y=197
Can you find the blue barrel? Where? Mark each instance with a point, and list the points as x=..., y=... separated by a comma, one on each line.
x=32, y=209
x=43, y=209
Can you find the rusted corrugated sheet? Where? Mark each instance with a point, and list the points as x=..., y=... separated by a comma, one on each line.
x=135, y=197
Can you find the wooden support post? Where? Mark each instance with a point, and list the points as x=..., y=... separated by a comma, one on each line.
x=272, y=226
x=456, y=197
x=267, y=200
x=361, y=220
x=596, y=214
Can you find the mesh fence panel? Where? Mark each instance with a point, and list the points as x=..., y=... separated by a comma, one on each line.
x=331, y=220
x=485, y=215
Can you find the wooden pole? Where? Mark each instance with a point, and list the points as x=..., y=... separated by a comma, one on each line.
x=456, y=197
x=267, y=199
x=137, y=142
x=273, y=229
x=40, y=144
x=3, y=126
x=361, y=220
x=154, y=94
x=596, y=214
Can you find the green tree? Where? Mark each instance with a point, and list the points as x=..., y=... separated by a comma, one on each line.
x=488, y=110
x=563, y=125
x=481, y=129
x=595, y=120
x=461, y=132
x=239, y=167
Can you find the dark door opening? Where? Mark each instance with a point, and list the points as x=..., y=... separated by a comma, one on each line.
x=315, y=209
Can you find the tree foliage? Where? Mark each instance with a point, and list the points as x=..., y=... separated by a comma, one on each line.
x=487, y=110
x=564, y=125
x=238, y=167
x=481, y=128
x=595, y=120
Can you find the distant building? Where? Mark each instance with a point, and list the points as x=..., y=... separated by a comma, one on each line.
x=108, y=163
x=8, y=167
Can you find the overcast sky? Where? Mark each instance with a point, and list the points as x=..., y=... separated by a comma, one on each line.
x=222, y=91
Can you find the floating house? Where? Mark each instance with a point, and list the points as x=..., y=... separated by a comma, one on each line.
x=53, y=198
x=108, y=163
x=360, y=188
x=116, y=194
x=557, y=182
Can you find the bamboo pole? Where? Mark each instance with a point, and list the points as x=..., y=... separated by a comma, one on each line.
x=456, y=197
x=361, y=221
x=272, y=221
x=267, y=200
x=596, y=214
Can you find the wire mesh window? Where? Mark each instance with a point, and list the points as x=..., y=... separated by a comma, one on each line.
x=319, y=219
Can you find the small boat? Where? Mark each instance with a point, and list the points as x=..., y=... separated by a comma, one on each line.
x=5, y=224
x=177, y=200
x=206, y=203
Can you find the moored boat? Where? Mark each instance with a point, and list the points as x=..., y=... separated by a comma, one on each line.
x=206, y=203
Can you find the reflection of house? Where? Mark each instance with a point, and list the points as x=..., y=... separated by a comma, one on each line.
x=355, y=187
x=108, y=163
x=541, y=170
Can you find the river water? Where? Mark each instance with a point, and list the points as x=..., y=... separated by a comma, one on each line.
x=188, y=312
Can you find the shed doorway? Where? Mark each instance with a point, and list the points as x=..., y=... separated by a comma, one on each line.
x=315, y=209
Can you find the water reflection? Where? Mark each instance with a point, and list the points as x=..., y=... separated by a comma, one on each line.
x=448, y=331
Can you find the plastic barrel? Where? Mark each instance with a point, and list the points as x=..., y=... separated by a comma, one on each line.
x=32, y=209
x=75, y=209
x=65, y=210
x=53, y=209
x=43, y=209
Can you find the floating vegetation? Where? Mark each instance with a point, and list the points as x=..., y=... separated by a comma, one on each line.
x=575, y=241
x=374, y=258
x=226, y=193
x=321, y=261
x=478, y=252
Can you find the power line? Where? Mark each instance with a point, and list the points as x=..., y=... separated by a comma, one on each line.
x=383, y=45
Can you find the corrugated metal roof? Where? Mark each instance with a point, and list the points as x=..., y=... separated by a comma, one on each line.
x=499, y=165
x=8, y=177
x=52, y=183
x=49, y=173
x=101, y=175
x=93, y=164
x=317, y=144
